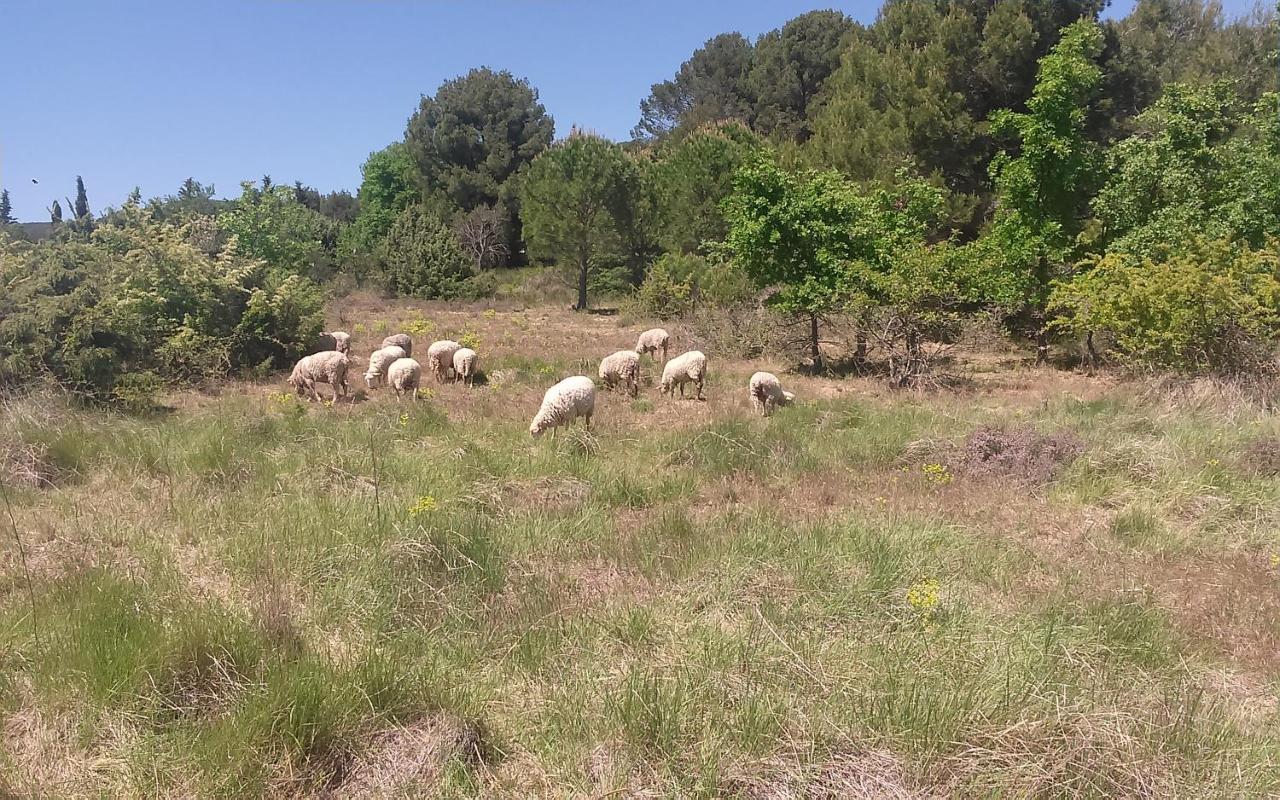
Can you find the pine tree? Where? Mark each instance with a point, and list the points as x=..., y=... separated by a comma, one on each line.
x=6, y=209
x=135, y=197
x=82, y=200
x=55, y=213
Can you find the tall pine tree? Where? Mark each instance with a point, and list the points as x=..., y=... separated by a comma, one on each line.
x=6, y=209
x=82, y=200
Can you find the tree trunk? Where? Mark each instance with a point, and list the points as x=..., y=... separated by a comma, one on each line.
x=582, y=283
x=860, y=350
x=814, y=350
x=1092, y=351
x=1042, y=346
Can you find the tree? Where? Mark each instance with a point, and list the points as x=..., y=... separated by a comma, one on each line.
x=6, y=209
x=790, y=67
x=273, y=226
x=55, y=213
x=82, y=200
x=569, y=196
x=694, y=175
x=818, y=241
x=135, y=196
x=1044, y=180
x=388, y=186
x=472, y=137
x=422, y=257
x=479, y=234
x=712, y=86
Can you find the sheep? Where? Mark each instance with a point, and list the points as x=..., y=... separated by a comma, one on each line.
x=440, y=358
x=328, y=367
x=335, y=340
x=400, y=340
x=767, y=393
x=378, y=363
x=465, y=363
x=685, y=368
x=405, y=375
x=653, y=340
x=621, y=367
x=563, y=403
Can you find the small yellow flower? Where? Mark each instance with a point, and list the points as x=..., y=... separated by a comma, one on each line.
x=404, y=420
x=1213, y=462
x=1275, y=559
x=937, y=473
x=425, y=505
x=923, y=597
x=489, y=313
x=469, y=339
x=328, y=404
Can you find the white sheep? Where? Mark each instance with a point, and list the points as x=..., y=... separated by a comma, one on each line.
x=622, y=367
x=653, y=340
x=465, y=364
x=405, y=375
x=767, y=393
x=690, y=367
x=400, y=340
x=328, y=367
x=563, y=403
x=440, y=358
x=335, y=340
x=379, y=362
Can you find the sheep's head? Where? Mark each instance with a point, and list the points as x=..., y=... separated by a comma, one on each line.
x=371, y=380
x=536, y=428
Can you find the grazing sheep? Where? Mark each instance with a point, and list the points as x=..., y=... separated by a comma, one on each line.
x=400, y=340
x=465, y=364
x=405, y=375
x=335, y=340
x=440, y=358
x=563, y=403
x=379, y=362
x=621, y=367
x=653, y=340
x=690, y=367
x=766, y=393
x=328, y=367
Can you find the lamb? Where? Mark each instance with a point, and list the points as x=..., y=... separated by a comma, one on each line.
x=766, y=393
x=653, y=340
x=328, y=367
x=465, y=364
x=440, y=358
x=335, y=340
x=400, y=340
x=690, y=367
x=405, y=375
x=379, y=362
x=621, y=367
x=563, y=403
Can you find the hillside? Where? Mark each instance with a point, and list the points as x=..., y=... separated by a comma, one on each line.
x=1042, y=583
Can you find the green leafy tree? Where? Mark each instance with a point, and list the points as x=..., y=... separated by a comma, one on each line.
x=271, y=225
x=1044, y=181
x=695, y=175
x=819, y=241
x=570, y=196
x=387, y=188
x=6, y=209
x=472, y=137
x=422, y=256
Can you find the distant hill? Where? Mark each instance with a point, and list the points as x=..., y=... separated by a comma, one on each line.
x=31, y=231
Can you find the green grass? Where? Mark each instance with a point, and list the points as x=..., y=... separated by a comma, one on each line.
x=242, y=599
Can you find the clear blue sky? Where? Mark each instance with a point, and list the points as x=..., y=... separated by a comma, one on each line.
x=127, y=93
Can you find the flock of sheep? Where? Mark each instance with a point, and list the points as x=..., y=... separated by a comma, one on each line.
x=568, y=400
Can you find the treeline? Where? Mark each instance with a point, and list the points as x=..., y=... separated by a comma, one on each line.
x=1111, y=182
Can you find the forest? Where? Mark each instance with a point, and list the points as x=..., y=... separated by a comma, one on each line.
x=1107, y=188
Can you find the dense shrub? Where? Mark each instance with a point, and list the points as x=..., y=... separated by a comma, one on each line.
x=423, y=258
x=666, y=292
x=137, y=297
x=1215, y=307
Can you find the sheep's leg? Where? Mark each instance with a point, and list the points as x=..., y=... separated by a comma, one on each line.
x=700, y=397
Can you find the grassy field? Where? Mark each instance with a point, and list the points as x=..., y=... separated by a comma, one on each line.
x=251, y=595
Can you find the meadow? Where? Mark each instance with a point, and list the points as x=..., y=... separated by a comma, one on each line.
x=251, y=595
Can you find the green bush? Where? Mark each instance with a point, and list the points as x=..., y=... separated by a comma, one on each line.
x=1213, y=308
x=422, y=257
x=665, y=291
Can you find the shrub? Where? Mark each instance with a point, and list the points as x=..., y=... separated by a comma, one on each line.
x=1021, y=454
x=666, y=293
x=1214, y=308
x=423, y=258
